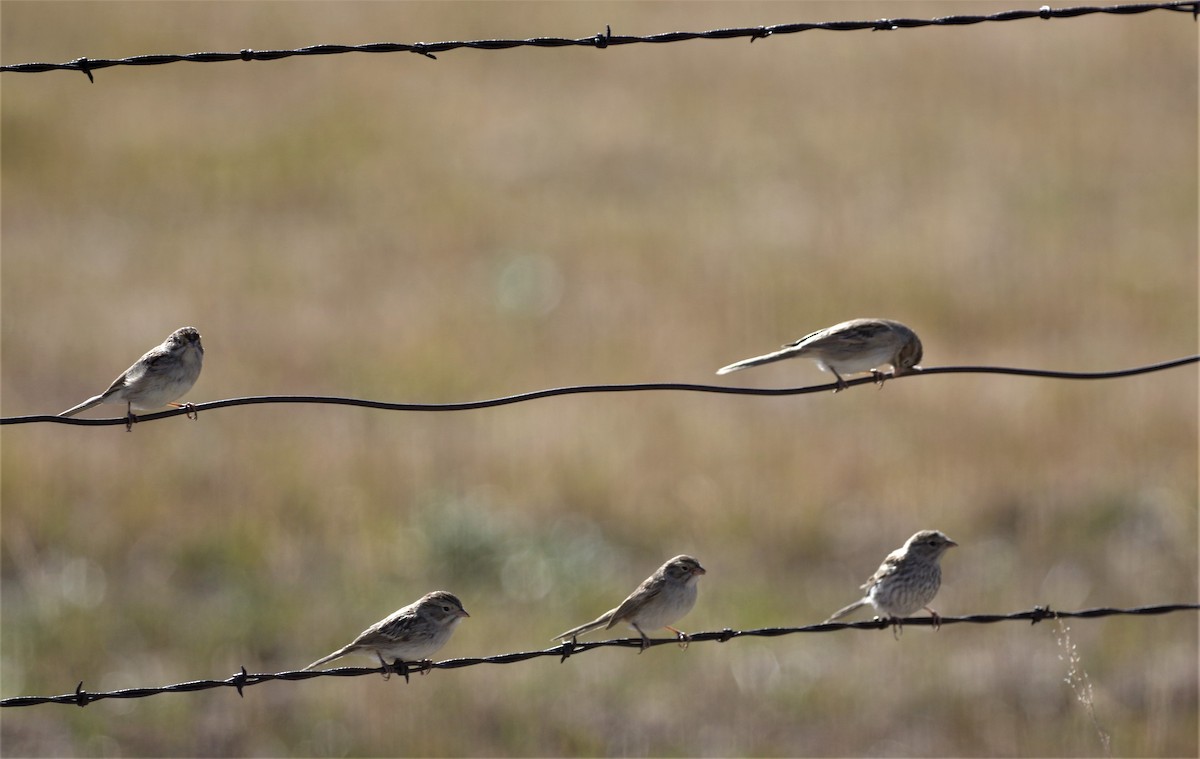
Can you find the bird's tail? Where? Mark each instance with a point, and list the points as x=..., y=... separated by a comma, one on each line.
x=89, y=403
x=595, y=624
x=788, y=351
x=843, y=612
x=335, y=655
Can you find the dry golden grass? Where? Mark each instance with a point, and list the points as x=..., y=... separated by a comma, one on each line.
x=404, y=229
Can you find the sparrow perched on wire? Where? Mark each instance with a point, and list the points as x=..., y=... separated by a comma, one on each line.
x=662, y=598
x=907, y=580
x=163, y=374
x=411, y=634
x=859, y=345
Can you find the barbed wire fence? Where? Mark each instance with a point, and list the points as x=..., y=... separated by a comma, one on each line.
x=605, y=39
x=192, y=409
x=244, y=679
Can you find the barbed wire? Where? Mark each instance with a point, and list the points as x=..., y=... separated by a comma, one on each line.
x=603, y=40
x=192, y=409
x=567, y=649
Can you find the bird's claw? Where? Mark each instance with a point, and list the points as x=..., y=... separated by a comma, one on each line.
x=189, y=410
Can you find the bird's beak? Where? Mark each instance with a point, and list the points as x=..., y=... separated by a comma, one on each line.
x=463, y=613
x=950, y=543
x=699, y=570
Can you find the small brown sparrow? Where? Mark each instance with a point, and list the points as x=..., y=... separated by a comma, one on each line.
x=859, y=345
x=662, y=598
x=162, y=375
x=907, y=580
x=411, y=634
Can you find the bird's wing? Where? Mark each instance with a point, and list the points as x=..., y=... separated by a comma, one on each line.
x=805, y=339
x=887, y=568
x=398, y=628
x=120, y=382
x=155, y=361
x=853, y=334
x=648, y=590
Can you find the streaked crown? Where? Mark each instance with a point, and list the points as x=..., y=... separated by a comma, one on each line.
x=930, y=544
x=683, y=567
x=910, y=354
x=443, y=605
x=186, y=336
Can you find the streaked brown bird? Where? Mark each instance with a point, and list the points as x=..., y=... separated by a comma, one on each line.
x=859, y=345
x=907, y=580
x=158, y=378
x=663, y=598
x=411, y=634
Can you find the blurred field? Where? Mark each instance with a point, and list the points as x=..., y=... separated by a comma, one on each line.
x=397, y=228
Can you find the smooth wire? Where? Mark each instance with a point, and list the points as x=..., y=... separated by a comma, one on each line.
x=580, y=389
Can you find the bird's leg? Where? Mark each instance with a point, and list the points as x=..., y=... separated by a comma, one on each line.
x=426, y=666
x=684, y=638
x=897, y=627
x=880, y=377
x=841, y=383
x=937, y=620
x=387, y=668
x=645, y=639
x=130, y=419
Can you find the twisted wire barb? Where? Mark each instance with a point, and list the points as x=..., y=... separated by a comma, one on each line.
x=602, y=40
x=579, y=389
x=243, y=679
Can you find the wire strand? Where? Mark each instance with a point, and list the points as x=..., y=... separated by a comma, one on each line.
x=567, y=649
x=603, y=40
x=580, y=389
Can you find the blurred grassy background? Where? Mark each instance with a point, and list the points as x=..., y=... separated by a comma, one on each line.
x=397, y=228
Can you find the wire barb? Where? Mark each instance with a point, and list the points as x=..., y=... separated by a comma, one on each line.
x=82, y=65
x=419, y=49
x=1040, y=613
x=601, y=41
x=239, y=681
x=603, y=38
x=569, y=648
